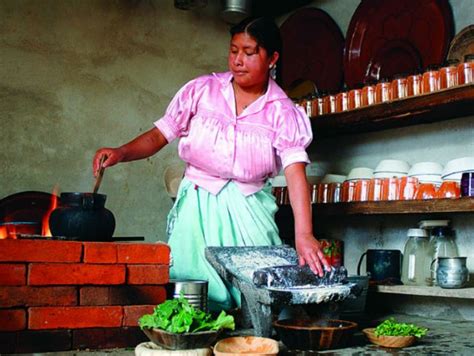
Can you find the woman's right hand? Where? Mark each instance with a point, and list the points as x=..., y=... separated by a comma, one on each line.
x=111, y=157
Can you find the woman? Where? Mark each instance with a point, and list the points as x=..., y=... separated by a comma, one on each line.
x=236, y=129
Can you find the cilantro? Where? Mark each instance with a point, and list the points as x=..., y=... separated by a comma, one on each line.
x=178, y=316
x=390, y=327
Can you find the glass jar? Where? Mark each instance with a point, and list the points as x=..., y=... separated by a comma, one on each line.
x=415, y=268
x=383, y=91
x=441, y=244
x=322, y=101
x=368, y=95
x=342, y=101
x=466, y=70
x=332, y=103
x=431, y=80
x=448, y=75
x=414, y=86
x=355, y=99
x=399, y=87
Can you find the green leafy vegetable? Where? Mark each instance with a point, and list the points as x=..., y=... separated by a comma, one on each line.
x=178, y=316
x=390, y=327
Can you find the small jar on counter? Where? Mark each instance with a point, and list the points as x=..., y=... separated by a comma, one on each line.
x=332, y=103
x=322, y=103
x=466, y=70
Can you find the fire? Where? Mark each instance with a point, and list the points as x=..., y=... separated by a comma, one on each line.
x=45, y=231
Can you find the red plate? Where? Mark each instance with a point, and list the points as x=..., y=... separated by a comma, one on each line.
x=418, y=28
x=313, y=48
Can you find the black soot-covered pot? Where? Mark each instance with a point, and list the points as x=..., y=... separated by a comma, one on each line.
x=82, y=216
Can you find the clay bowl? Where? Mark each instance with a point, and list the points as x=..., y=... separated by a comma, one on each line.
x=314, y=334
x=389, y=341
x=248, y=345
x=184, y=341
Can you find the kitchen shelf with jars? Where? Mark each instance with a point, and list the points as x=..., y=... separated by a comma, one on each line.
x=431, y=107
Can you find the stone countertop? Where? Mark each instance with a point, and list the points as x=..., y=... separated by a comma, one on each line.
x=443, y=338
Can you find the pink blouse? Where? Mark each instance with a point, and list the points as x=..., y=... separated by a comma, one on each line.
x=219, y=146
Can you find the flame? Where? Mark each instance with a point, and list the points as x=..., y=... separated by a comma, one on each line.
x=3, y=232
x=45, y=231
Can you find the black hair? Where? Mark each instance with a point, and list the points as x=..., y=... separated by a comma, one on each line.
x=263, y=29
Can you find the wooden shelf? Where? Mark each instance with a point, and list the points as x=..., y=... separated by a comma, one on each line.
x=464, y=293
x=442, y=105
x=461, y=205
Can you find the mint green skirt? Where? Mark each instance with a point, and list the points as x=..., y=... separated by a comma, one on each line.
x=199, y=219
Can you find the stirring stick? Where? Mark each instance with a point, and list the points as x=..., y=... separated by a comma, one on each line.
x=98, y=180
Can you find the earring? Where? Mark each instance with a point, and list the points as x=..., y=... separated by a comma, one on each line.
x=273, y=72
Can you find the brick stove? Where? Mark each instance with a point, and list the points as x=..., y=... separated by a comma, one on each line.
x=66, y=295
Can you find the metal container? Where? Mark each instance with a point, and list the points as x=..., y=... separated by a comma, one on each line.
x=452, y=272
x=194, y=290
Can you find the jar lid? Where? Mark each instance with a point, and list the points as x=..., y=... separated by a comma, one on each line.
x=428, y=224
x=417, y=233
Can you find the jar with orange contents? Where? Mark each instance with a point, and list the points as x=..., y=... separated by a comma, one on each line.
x=332, y=103
x=414, y=84
x=448, y=74
x=466, y=70
x=368, y=94
x=431, y=79
x=399, y=87
x=355, y=98
x=342, y=101
x=322, y=101
x=383, y=91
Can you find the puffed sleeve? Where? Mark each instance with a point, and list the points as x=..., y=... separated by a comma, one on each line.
x=293, y=135
x=175, y=121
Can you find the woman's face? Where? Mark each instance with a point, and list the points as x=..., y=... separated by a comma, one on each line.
x=248, y=62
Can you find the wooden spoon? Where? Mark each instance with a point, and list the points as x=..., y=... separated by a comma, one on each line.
x=98, y=180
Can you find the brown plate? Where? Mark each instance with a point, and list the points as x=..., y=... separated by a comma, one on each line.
x=424, y=26
x=462, y=44
x=313, y=48
x=389, y=341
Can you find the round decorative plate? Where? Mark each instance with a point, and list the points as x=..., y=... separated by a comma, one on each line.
x=462, y=44
x=421, y=28
x=313, y=47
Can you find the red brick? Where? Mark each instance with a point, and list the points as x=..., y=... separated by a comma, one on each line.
x=37, y=296
x=143, y=253
x=147, y=274
x=40, y=251
x=107, y=338
x=122, y=295
x=12, y=274
x=43, y=341
x=74, y=317
x=12, y=319
x=100, y=252
x=132, y=313
x=75, y=273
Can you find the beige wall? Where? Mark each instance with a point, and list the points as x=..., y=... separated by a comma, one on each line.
x=76, y=75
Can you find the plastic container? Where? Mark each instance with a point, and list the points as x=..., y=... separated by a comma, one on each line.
x=441, y=244
x=416, y=261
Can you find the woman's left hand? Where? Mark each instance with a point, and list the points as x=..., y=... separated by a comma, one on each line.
x=310, y=253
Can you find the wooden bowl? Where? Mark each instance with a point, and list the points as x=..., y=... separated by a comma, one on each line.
x=314, y=334
x=185, y=341
x=248, y=345
x=389, y=341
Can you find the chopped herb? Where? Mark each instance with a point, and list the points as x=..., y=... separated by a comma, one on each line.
x=178, y=316
x=390, y=327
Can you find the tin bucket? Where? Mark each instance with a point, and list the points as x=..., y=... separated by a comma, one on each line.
x=194, y=290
